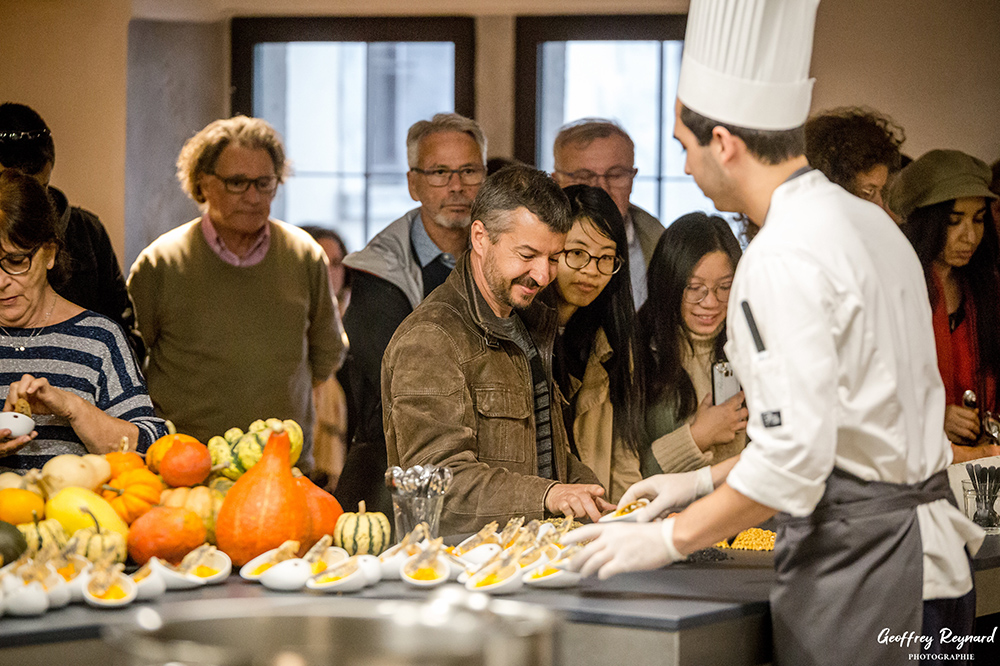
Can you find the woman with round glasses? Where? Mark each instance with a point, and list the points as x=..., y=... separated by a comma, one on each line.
x=72, y=366
x=944, y=198
x=594, y=353
x=681, y=333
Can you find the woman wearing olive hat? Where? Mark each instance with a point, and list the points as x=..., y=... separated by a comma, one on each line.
x=944, y=198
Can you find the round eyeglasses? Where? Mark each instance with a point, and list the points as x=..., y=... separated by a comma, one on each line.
x=698, y=293
x=614, y=177
x=240, y=184
x=440, y=177
x=17, y=263
x=608, y=264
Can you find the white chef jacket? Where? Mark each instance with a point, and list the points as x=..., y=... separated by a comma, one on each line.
x=849, y=375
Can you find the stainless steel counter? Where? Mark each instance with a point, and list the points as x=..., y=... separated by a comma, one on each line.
x=686, y=614
x=704, y=614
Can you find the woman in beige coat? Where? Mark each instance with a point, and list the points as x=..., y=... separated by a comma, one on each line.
x=594, y=351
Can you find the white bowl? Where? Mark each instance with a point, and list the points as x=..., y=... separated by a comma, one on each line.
x=151, y=586
x=58, y=590
x=512, y=583
x=173, y=578
x=248, y=569
x=392, y=560
x=442, y=572
x=26, y=600
x=546, y=576
x=128, y=586
x=468, y=539
x=481, y=554
x=332, y=556
x=371, y=567
x=350, y=577
x=616, y=517
x=287, y=575
x=223, y=567
x=18, y=424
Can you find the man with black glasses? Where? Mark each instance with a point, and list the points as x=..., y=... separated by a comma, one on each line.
x=235, y=307
x=394, y=273
x=599, y=153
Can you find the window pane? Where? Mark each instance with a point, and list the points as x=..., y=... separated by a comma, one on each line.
x=343, y=109
x=673, y=153
x=617, y=80
x=388, y=199
x=635, y=84
x=336, y=202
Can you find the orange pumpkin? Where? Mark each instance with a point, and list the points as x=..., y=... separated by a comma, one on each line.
x=186, y=463
x=159, y=448
x=133, y=493
x=324, y=510
x=123, y=460
x=203, y=500
x=167, y=532
x=265, y=507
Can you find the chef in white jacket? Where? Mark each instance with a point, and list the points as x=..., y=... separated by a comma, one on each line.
x=830, y=333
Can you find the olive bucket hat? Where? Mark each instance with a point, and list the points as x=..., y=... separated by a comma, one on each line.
x=940, y=175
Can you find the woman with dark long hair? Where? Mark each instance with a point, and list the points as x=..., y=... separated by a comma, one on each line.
x=594, y=360
x=682, y=332
x=944, y=198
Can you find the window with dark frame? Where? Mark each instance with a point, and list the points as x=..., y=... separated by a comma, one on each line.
x=343, y=93
x=624, y=68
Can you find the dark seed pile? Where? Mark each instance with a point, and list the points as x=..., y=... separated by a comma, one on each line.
x=707, y=555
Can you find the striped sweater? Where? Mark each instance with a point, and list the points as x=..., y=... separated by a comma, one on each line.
x=86, y=355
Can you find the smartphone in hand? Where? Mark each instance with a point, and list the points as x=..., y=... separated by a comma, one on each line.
x=724, y=382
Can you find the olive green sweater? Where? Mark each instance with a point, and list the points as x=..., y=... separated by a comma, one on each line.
x=228, y=345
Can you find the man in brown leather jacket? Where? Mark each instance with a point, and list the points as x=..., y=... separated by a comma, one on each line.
x=467, y=378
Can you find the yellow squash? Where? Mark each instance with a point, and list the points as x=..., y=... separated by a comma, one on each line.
x=68, y=507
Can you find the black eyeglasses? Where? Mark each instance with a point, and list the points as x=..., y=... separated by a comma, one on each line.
x=440, y=177
x=608, y=264
x=615, y=176
x=17, y=263
x=239, y=184
x=697, y=293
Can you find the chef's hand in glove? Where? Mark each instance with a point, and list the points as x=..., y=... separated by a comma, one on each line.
x=668, y=491
x=620, y=547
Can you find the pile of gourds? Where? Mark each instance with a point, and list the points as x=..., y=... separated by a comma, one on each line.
x=240, y=493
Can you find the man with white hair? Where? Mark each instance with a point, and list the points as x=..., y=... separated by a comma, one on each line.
x=396, y=270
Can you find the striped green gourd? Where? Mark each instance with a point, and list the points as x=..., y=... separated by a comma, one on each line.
x=362, y=533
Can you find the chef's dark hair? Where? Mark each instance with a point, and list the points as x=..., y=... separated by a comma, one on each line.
x=927, y=230
x=661, y=325
x=614, y=311
x=768, y=146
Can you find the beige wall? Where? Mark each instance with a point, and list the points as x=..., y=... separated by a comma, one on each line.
x=67, y=60
x=932, y=64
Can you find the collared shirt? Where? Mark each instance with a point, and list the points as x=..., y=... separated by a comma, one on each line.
x=256, y=254
x=636, y=263
x=848, y=376
x=426, y=249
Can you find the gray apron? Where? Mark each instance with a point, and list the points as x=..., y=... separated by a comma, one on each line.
x=849, y=570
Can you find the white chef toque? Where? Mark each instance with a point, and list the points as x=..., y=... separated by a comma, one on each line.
x=746, y=62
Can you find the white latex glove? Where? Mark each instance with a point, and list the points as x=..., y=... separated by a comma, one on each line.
x=668, y=491
x=622, y=547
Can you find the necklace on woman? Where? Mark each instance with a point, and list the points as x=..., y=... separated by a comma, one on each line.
x=12, y=341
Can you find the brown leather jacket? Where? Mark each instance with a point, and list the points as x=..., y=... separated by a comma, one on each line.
x=456, y=391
